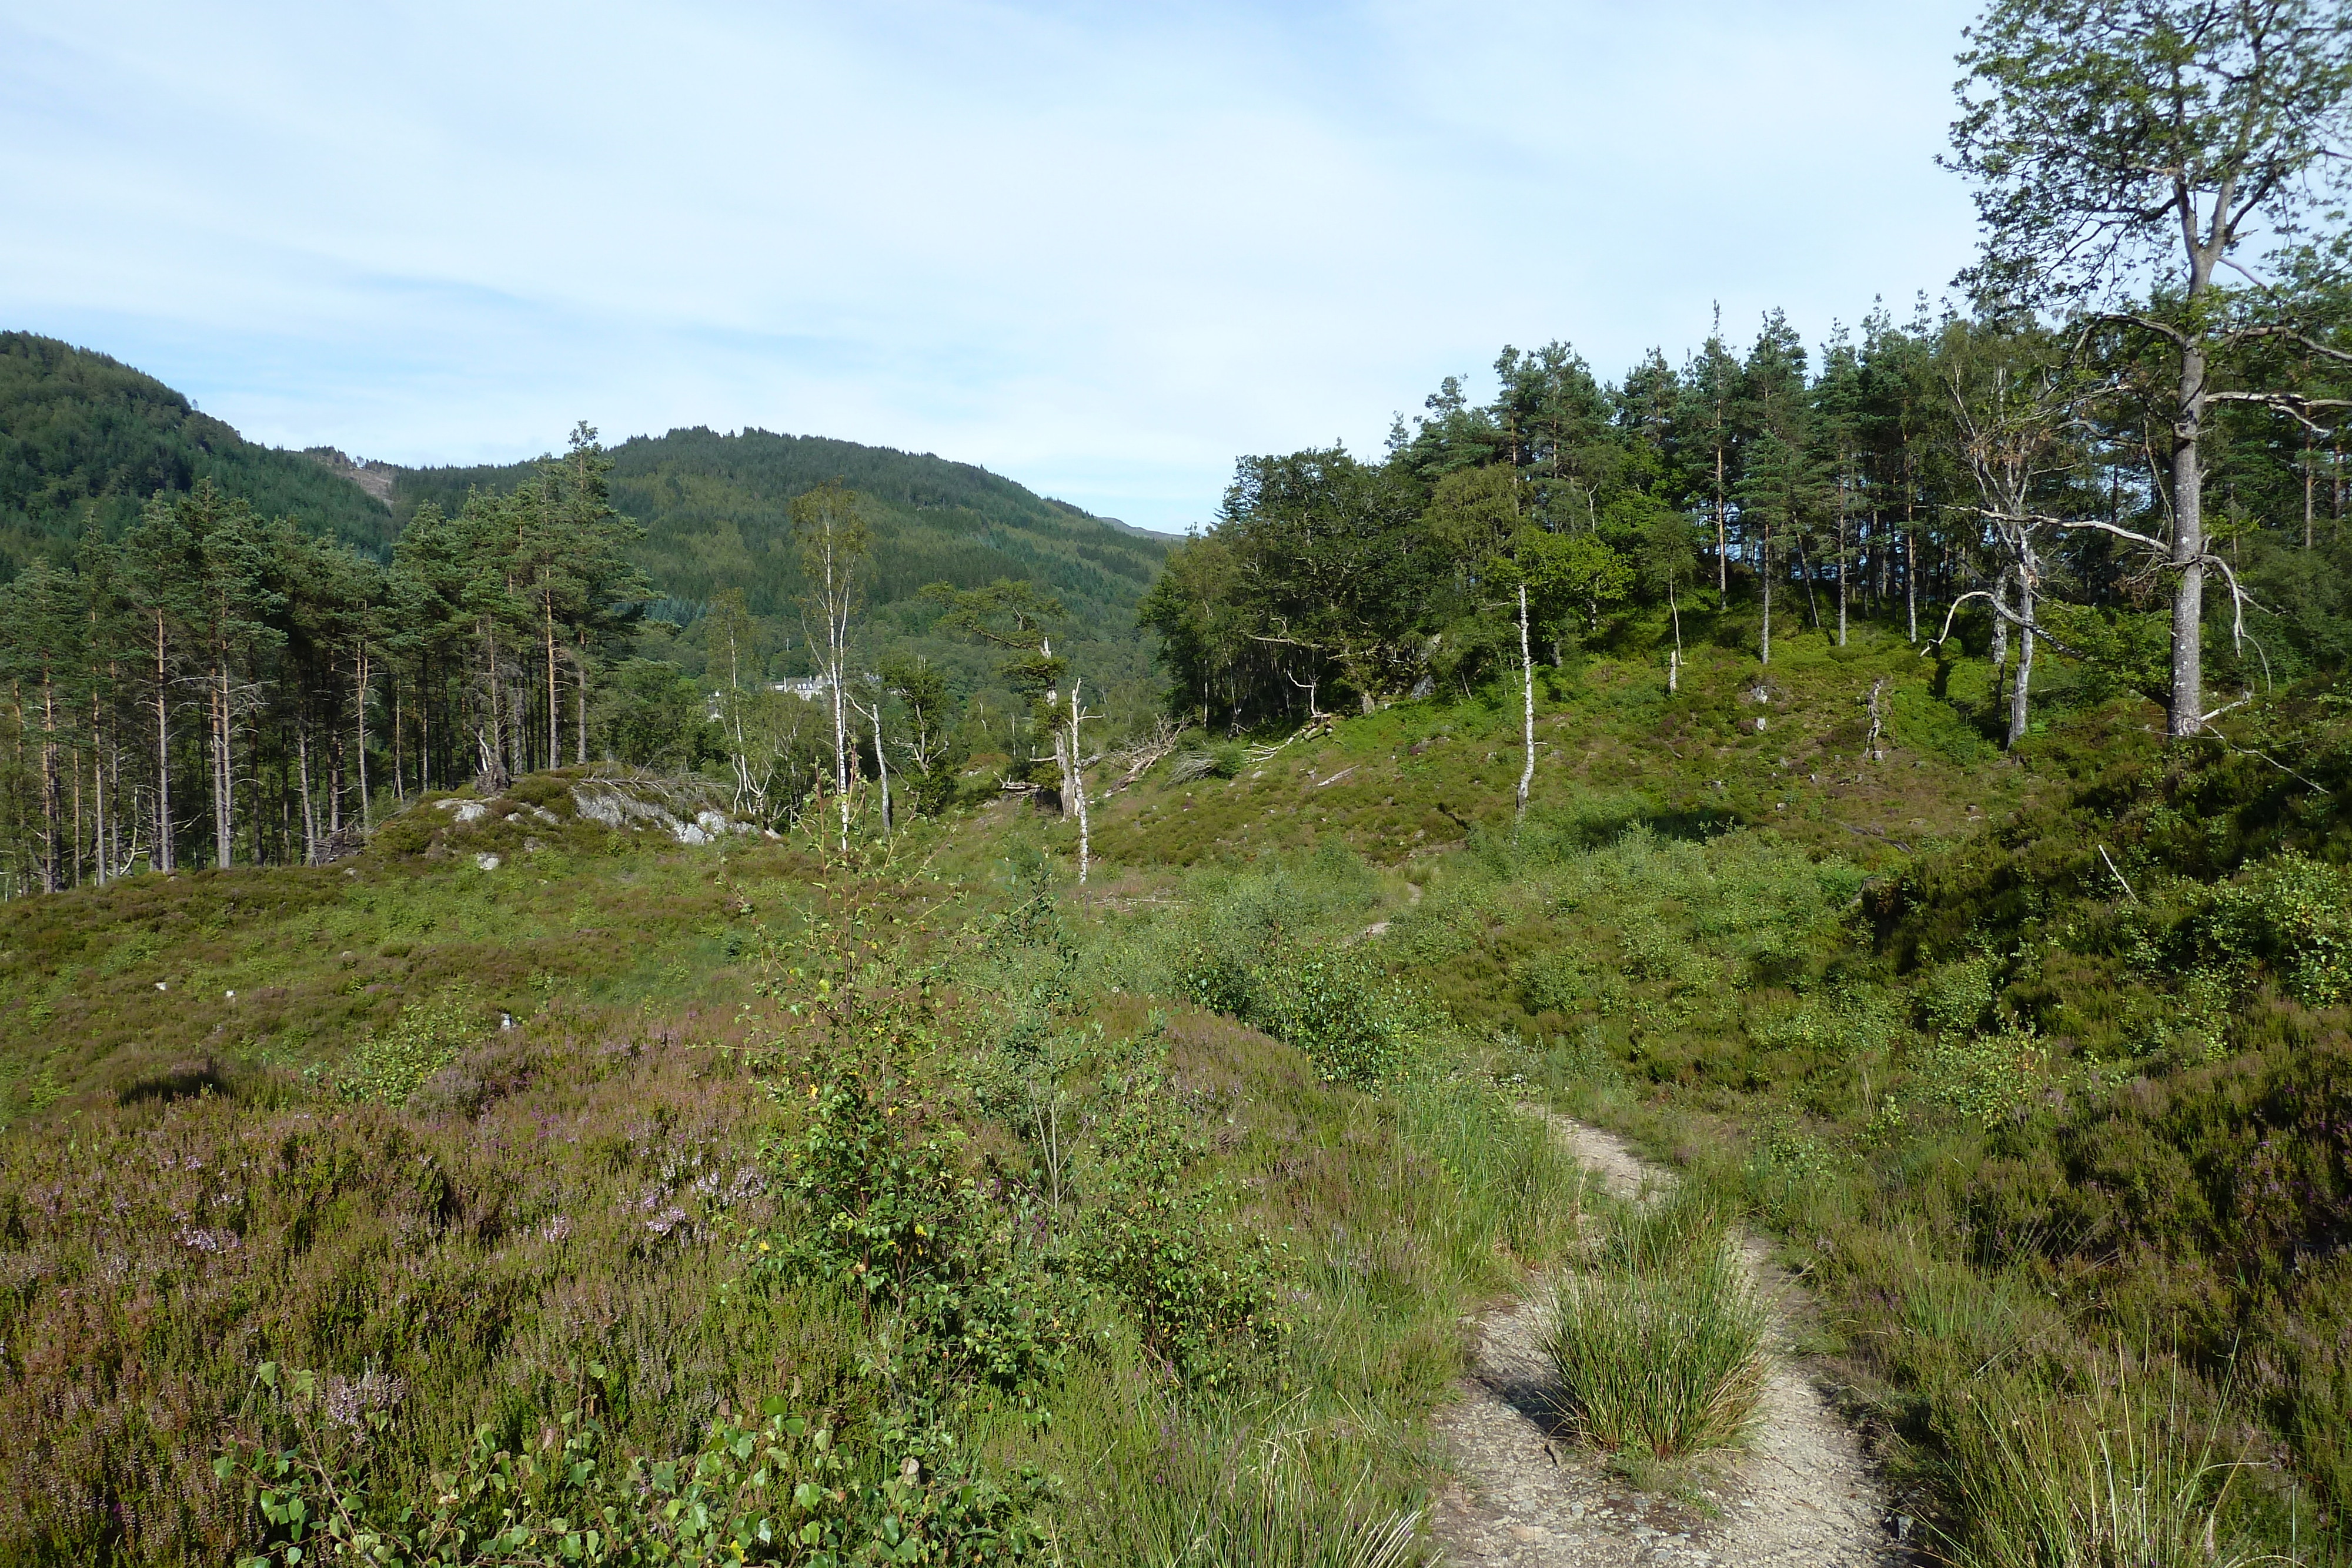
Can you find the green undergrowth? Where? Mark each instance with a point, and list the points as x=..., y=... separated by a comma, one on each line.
x=596, y=1196
x=2061, y=1097
x=1412, y=781
x=158, y=987
x=941, y=1222
x=2033, y=1057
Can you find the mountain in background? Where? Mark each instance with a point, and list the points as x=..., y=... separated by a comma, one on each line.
x=85, y=440
x=716, y=514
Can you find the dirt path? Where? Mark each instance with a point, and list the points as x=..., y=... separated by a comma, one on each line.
x=1796, y=1497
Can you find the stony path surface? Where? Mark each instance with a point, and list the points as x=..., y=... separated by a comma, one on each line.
x=1797, y=1497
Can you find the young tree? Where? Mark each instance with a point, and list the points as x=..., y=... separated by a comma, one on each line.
x=831, y=531
x=2010, y=406
x=929, y=747
x=2116, y=141
x=1014, y=616
x=1669, y=558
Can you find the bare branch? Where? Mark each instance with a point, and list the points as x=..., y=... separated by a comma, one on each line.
x=2292, y=404
x=2158, y=546
x=2291, y=334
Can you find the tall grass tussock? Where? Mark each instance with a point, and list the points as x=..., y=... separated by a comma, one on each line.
x=1659, y=1338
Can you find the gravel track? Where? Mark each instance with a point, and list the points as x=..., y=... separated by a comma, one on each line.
x=1798, y=1495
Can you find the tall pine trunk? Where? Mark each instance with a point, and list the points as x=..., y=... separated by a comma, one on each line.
x=554, y=699
x=223, y=763
x=359, y=707
x=162, y=857
x=1841, y=583
x=97, y=785
x=52, y=795
x=310, y=811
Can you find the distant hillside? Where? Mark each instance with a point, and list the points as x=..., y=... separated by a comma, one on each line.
x=85, y=439
x=716, y=512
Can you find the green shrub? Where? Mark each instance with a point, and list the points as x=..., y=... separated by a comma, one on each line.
x=392, y=1065
x=784, y=1489
x=2293, y=913
x=884, y=1208
x=1986, y=1079
x=1956, y=997
x=1337, y=1008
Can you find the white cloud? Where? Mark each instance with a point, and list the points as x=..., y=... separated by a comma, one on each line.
x=1101, y=249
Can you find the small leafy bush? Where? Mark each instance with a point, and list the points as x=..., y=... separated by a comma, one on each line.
x=1200, y=1291
x=884, y=1207
x=392, y=1065
x=784, y=1489
x=1985, y=1079
x=2295, y=914
x=1335, y=1006
x=1956, y=997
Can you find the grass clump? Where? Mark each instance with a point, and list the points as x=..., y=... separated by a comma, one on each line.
x=2129, y=1474
x=1659, y=1343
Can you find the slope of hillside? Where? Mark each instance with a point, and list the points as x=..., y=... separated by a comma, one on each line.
x=2035, y=1060
x=85, y=440
x=716, y=513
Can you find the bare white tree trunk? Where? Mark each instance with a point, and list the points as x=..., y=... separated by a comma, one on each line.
x=1078, y=784
x=882, y=762
x=1526, y=712
x=1911, y=579
x=302, y=776
x=2186, y=715
x=1674, y=663
x=2019, y=688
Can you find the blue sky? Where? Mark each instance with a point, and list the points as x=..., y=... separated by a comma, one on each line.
x=1103, y=249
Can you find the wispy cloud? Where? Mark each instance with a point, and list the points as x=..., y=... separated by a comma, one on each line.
x=1102, y=248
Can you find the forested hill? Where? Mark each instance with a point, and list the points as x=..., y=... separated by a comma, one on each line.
x=716, y=510
x=85, y=439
